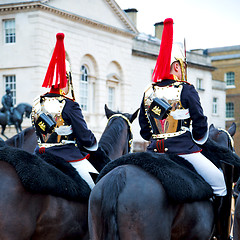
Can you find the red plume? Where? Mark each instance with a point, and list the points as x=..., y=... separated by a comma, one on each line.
x=162, y=68
x=57, y=65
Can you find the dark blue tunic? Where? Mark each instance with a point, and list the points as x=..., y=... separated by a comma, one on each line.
x=72, y=115
x=182, y=144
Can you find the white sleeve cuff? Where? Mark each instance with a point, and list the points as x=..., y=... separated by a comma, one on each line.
x=92, y=148
x=202, y=140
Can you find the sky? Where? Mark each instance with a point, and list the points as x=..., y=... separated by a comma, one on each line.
x=203, y=23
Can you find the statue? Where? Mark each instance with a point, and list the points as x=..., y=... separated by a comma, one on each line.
x=7, y=103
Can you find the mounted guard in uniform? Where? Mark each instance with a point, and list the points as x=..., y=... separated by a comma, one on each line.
x=171, y=116
x=58, y=119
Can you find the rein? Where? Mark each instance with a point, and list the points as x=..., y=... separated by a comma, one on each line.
x=229, y=137
x=130, y=141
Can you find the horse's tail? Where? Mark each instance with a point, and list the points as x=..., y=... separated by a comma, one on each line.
x=113, y=185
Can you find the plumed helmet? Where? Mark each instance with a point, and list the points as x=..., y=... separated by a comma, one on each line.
x=169, y=53
x=57, y=66
x=177, y=52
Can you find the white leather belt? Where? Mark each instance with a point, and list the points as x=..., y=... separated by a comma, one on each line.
x=169, y=135
x=63, y=142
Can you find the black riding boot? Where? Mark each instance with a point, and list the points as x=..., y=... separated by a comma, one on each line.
x=222, y=218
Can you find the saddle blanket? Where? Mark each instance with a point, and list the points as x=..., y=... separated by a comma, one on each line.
x=46, y=174
x=178, y=177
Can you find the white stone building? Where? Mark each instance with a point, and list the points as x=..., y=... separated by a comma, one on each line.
x=111, y=61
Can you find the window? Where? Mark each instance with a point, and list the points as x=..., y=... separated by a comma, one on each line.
x=215, y=106
x=113, y=91
x=229, y=110
x=9, y=31
x=200, y=84
x=10, y=81
x=111, y=97
x=230, y=78
x=84, y=89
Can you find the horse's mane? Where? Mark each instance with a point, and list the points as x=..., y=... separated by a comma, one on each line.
x=111, y=134
x=18, y=139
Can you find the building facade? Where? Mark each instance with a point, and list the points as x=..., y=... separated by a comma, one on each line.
x=227, y=63
x=111, y=61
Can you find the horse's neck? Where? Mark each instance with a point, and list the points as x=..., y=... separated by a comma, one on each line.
x=26, y=140
x=114, y=143
x=20, y=109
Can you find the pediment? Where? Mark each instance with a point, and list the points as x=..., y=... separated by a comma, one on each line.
x=106, y=12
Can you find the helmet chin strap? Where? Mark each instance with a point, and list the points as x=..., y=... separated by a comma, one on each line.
x=62, y=92
x=183, y=69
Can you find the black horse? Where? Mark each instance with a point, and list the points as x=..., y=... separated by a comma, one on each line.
x=30, y=215
x=26, y=140
x=115, y=132
x=130, y=203
x=16, y=117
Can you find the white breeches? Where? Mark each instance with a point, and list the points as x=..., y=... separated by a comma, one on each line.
x=209, y=172
x=84, y=167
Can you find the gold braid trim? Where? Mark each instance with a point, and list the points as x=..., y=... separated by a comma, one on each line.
x=184, y=77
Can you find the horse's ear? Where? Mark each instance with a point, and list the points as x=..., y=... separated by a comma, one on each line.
x=211, y=127
x=108, y=112
x=232, y=129
x=213, y=132
x=134, y=115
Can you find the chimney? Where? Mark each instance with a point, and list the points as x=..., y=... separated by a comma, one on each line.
x=158, y=30
x=132, y=14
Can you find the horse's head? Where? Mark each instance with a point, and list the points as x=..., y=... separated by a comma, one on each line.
x=131, y=117
x=28, y=110
x=223, y=137
x=117, y=137
x=22, y=108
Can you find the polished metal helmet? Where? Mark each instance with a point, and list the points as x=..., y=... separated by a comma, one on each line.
x=169, y=52
x=179, y=54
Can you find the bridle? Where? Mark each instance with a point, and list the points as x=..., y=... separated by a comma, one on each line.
x=130, y=135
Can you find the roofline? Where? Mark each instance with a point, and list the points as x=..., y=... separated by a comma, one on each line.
x=201, y=66
x=225, y=57
x=42, y=6
x=223, y=49
x=20, y=3
x=189, y=63
x=122, y=15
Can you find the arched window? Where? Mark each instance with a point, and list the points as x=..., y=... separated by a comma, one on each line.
x=230, y=110
x=114, y=86
x=113, y=91
x=84, y=88
x=111, y=97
